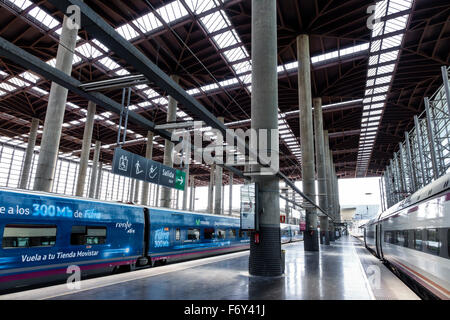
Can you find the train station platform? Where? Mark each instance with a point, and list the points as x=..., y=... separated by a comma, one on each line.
x=344, y=270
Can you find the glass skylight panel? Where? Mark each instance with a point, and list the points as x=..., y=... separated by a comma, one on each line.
x=399, y=5
x=147, y=23
x=193, y=91
x=373, y=60
x=392, y=42
x=247, y=79
x=21, y=4
x=229, y=82
x=7, y=87
x=383, y=80
x=388, y=56
x=100, y=45
x=40, y=91
x=242, y=67
x=200, y=6
x=150, y=93
x=215, y=21
x=127, y=31
x=386, y=69
x=161, y=101
x=381, y=89
x=109, y=63
x=375, y=46
x=43, y=17
x=32, y=78
x=235, y=54
x=396, y=24
x=172, y=11
x=17, y=82
x=88, y=51
x=122, y=72
x=52, y=62
x=210, y=87
x=72, y=105
x=226, y=39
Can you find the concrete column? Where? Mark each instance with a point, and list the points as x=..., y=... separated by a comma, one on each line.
x=186, y=187
x=211, y=189
x=321, y=170
x=192, y=195
x=286, y=207
x=265, y=256
x=193, y=199
x=230, y=207
x=85, y=149
x=93, y=183
x=29, y=154
x=329, y=181
x=332, y=197
x=54, y=117
x=166, y=198
x=148, y=155
x=137, y=186
x=157, y=195
x=307, y=139
x=131, y=190
x=99, y=181
x=218, y=198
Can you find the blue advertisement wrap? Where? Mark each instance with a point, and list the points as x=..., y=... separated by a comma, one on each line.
x=119, y=227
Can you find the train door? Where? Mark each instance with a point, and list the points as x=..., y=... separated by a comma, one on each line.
x=378, y=239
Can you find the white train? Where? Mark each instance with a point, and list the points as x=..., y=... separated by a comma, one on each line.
x=413, y=237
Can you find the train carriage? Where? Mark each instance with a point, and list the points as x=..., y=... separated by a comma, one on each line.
x=178, y=235
x=413, y=237
x=42, y=235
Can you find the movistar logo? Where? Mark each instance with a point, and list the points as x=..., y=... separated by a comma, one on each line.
x=197, y=222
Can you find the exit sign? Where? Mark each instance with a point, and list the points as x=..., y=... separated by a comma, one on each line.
x=136, y=167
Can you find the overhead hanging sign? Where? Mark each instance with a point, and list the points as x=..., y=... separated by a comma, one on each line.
x=249, y=195
x=136, y=167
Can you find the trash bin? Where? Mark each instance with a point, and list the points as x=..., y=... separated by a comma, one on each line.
x=283, y=260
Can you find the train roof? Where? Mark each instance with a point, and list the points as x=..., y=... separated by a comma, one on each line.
x=57, y=195
x=434, y=188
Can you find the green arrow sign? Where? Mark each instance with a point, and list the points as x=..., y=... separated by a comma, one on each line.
x=180, y=180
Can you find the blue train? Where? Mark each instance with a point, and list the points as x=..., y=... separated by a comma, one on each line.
x=42, y=235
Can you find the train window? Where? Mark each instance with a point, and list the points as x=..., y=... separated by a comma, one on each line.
x=400, y=237
x=433, y=243
x=448, y=242
x=221, y=234
x=27, y=236
x=193, y=234
x=177, y=234
x=418, y=239
x=388, y=237
x=405, y=238
x=208, y=233
x=231, y=234
x=87, y=235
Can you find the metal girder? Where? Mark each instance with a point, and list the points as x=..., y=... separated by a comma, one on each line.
x=106, y=34
x=97, y=27
x=27, y=60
